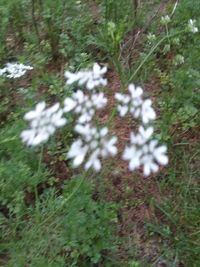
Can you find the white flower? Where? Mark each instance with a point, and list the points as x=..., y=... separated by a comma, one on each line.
x=91, y=78
x=191, y=26
x=134, y=104
x=133, y=156
x=14, y=70
x=84, y=105
x=152, y=156
x=109, y=147
x=136, y=92
x=93, y=161
x=147, y=112
x=142, y=136
x=78, y=151
x=94, y=144
x=151, y=37
x=43, y=123
x=179, y=59
x=124, y=101
x=130, y=103
x=165, y=20
x=143, y=152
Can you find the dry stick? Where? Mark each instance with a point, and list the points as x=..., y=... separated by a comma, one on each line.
x=174, y=9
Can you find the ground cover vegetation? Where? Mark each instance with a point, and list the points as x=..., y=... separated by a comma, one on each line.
x=99, y=133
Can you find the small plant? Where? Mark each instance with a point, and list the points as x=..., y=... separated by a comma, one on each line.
x=74, y=231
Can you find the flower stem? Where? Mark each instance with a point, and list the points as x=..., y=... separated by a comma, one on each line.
x=37, y=204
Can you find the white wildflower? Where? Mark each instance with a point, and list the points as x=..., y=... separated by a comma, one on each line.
x=192, y=26
x=143, y=152
x=179, y=59
x=94, y=144
x=147, y=112
x=133, y=156
x=43, y=123
x=151, y=37
x=14, y=70
x=94, y=161
x=91, y=78
x=142, y=136
x=130, y=103
x=134, y=104
x=85, y=105
x=152, y=156
x=165, y=20
x=78, y=151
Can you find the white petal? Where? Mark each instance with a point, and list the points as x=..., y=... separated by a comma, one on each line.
x=40, y=107
x=83, y=129
x=69, y=104
x=160, y=156
x=122, y=110
x=94, y=161
x=112, y=149
x=96, y=68
x=134, y=163
x=60, y=123
x=30, y=115
x=128, y=153
x=90, y=84
x=75, y=148
x=154, y=167
x=52, y=109
x=84, y=118
x=135, y=91
x=41, y=137
x=119, y=97
x=50, y=129
x=146, y=134
x=146, y=169
x=79, y=159
x=79, y=96
x=103, y=131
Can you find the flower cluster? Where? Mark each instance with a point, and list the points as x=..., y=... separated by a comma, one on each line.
x=14, y=70
x=43, y=123
x=142, y=151
x=90, y=78
x=95, y=143
x=135, y=104
x=92, y=142
x=85, y=105
x=192, y=26
x=145, y=152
